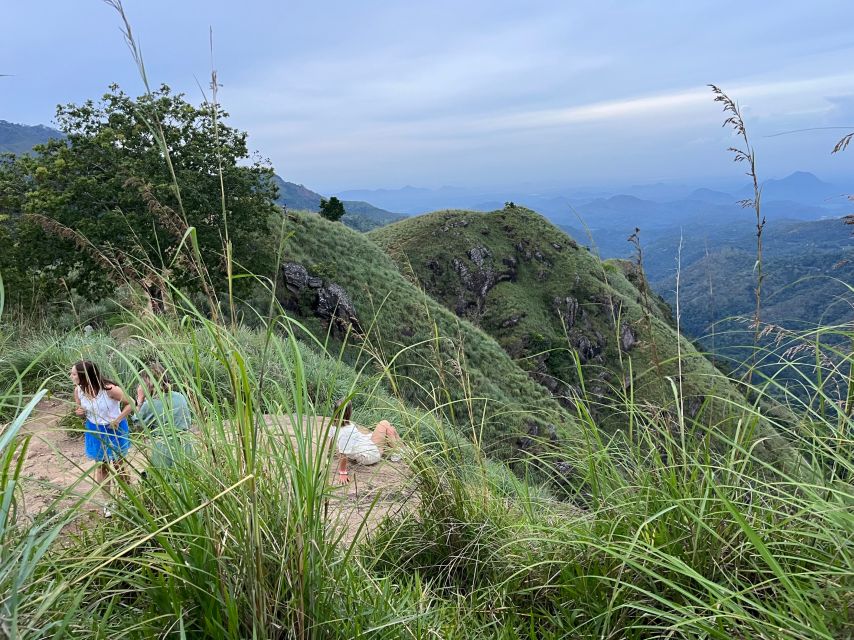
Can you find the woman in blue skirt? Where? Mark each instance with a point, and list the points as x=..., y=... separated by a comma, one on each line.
x=106, y=408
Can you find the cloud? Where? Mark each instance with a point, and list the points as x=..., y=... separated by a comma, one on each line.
x=669, y=110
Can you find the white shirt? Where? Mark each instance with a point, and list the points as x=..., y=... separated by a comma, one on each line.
x=101, y=409
x=352, y=442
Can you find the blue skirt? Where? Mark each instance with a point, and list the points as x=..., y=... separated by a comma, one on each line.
x=104, y=444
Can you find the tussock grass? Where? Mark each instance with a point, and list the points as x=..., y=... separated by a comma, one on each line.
x=651, y=536
x=670, y=527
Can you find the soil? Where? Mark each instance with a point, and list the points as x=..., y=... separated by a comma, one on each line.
x=55, y=463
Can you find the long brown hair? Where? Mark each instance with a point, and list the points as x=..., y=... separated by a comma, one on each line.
x=91, y=380
x=343, y=412
x=155, y=376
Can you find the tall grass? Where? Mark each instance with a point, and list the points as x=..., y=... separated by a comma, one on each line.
x=672, y=528
x=650, y=536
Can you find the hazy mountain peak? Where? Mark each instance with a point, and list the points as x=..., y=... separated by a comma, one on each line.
x=21, y=138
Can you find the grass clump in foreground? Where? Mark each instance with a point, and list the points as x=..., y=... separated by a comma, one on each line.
x=660, y=537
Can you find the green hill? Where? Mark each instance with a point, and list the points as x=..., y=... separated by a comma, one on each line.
x=512, y=303
x=361, y=216
x=806, y=268
x=548, y=301
x=334, y=277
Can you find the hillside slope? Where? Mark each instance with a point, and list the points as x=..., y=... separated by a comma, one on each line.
x=548, y=301
x=361, y=216
x=806, y=268
x=335, y=278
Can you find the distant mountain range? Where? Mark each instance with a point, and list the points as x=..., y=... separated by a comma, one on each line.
x=20, y=138
x=800, y=196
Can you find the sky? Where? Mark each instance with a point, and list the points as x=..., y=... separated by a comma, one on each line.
x=341, y=94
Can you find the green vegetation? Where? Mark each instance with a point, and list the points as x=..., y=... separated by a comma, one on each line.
x=649, y=497
x=100, y=206
x=683, y=541
x=580, y=327
x=806, y=267
x=332, y=209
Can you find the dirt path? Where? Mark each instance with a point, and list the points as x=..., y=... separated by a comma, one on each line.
x=56, y=463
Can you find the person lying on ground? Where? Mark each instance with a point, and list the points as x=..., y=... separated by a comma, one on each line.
x=105, y=407
x=166, y=413
x=360, y=445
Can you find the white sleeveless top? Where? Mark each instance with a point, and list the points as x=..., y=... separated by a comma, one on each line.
x=351, y=441
x=101, y=409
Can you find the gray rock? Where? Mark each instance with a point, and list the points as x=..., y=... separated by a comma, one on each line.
x=587, y=349
x=523, y=250
x=453, y=224
x=478, y=255
x=314, y=282
x=568, y=309
x=295, y=276
x=512, y=321
x=476, y=283
x=627, y=337
x=433, y=265
x=566, y=469
x=334, y=304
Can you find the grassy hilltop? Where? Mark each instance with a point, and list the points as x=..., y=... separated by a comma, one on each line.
x=577, y=325
x=433, y=356
x=520, y=331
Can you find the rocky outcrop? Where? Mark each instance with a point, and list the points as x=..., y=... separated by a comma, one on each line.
x=308, y=294
x=478, y=255
x=295, y=276
x=451, y=222
x=477, y=276
x=627, y=337
x=568, y=309
x=334, y=304
x=589, y=348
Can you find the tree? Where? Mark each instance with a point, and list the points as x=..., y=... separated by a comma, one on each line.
x=332, y=209
x=105, y=199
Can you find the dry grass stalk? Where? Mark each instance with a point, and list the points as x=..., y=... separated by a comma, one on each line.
x=747, y=155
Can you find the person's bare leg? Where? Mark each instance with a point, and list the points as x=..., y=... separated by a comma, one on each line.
x=102, y=477
x=385, y=435
x=121, y=467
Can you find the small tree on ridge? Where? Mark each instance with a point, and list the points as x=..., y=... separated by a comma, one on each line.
x=332, y=209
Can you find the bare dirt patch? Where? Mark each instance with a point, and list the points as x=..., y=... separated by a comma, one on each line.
x=54, y=463
x=56, y=467
x=374, y=491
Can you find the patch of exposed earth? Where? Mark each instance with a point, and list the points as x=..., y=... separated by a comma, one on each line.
x=56, y=474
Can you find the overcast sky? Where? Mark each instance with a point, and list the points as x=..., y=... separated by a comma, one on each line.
x=349, y=94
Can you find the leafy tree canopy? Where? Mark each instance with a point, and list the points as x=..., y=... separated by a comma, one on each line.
x=103, y=200
x=332, y=209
